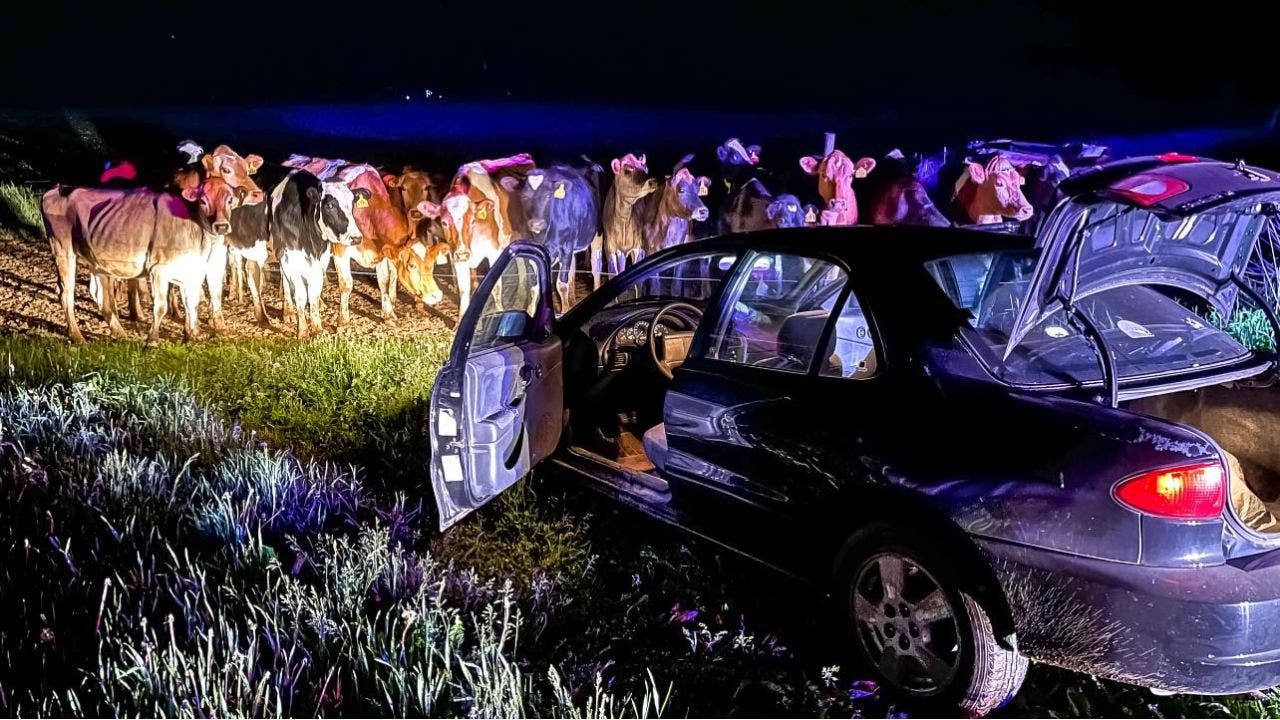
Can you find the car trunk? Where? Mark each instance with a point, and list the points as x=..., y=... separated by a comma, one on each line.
x=1245, y=422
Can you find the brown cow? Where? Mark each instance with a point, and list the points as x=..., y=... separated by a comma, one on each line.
x=669, y=214
x=408, y=189
x=835, y=185
x=385, y=230
x=128, y=234
x=483, y=180
x=471, y=231
x=990, y=193
x=622, y=238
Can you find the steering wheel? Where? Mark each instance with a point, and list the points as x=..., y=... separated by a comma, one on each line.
x=675, y=345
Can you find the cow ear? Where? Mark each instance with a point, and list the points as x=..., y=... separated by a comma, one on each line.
x=391, y=180
x=977, y=173
x=362, y=196
x=616, y=165
x=191, y=193
x=313, y=193
x=429, y=209
x=254, y=162
x=774, y=210
x=722, y=152
x=809, y=164
x=210, y=164
x=704, y=185
x=650, y=185
x=864, y=167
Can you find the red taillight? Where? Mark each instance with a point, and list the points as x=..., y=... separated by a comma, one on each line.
x=1188, y=492
x=1176, y=157
x=1148, y=190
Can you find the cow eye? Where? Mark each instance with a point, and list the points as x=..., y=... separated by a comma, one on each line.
x=226, y=171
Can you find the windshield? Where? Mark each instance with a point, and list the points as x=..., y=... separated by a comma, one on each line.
x=1149, y=332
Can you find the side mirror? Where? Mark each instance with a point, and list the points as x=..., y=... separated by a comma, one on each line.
x=511, y=323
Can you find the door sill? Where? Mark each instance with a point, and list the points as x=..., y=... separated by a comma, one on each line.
x=640, y=485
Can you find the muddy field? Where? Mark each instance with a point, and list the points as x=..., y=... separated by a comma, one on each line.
x=29, y=304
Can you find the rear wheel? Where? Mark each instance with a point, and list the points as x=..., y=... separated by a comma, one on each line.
x=918, y=629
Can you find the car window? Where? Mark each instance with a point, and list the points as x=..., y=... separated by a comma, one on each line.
x=1147, y=331
x=773, y=313
x=692, y=279
x=509, y=311
x=851, y=352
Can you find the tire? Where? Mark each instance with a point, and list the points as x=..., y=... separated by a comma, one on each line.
x=919, y=626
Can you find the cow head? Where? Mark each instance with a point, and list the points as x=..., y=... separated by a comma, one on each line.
x=685, y=193
x=337, y=218
x=414, y=186
x=226, y=164
x=631, y=179
x=996, y=191
x=214, y=200
x=1042, y=181
x=468, y=223
x=836, y=172
x=733, y=154
x=415, y=263
x=786, y=211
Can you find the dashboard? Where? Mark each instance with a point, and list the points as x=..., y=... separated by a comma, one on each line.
x=622, y=332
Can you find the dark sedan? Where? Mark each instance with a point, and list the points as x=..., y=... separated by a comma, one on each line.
x=987, y=447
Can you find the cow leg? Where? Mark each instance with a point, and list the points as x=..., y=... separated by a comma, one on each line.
x=564, y=280
x=293, y=274
x=99, y=293
x=286, y=304
x=159, y=306
x=315, y=283
x=236, y=265
x=109, y=306
x=191, y=292
x=343, y=265
x=386, y=285
x=135, y=299
x=64, y=260
x=215, y=275
x=597, y=257
x=462, y=275
x=256, y=277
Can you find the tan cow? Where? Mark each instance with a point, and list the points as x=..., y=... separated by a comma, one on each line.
x=992, y=192
x=130, y=234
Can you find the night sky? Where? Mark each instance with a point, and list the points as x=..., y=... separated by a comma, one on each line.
x=1028, y=68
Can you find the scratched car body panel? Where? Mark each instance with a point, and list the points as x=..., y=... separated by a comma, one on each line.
x=1062, y=410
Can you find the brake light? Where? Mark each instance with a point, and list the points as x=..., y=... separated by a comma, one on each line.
x=1146, y=190
x=1176, y=157
x=1188, y=492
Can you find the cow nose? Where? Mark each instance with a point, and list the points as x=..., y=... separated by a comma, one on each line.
x=415, y=215
x=222, y=228
x=701, y=214
x=255, y=197
x=357, y=239
x=537, y=225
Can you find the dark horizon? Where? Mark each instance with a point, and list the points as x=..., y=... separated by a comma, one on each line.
x=1055, y=65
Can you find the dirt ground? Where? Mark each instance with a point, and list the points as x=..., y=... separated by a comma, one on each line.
x=29, y=304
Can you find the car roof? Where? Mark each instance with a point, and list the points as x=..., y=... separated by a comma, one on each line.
x=882, y=245
x=1210, y=182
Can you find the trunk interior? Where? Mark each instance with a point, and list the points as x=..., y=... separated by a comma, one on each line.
x=1245, y=422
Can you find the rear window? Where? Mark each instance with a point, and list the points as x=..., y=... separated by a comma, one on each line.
x=1149, y=332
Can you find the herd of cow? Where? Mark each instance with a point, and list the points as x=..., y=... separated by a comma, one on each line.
x=223, y=211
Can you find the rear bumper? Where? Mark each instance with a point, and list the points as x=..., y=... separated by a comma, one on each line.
x=1212, y=630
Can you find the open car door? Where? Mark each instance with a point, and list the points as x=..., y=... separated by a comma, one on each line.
x=498, y=403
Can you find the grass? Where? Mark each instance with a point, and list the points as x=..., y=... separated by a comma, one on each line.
x=20, y=209
x=242, y=528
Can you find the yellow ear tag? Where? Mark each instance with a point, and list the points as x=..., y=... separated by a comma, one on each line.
x=559, y=191
x=482, y=213
x=361, y=202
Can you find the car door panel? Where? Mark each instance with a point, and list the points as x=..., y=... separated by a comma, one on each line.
x=497, y=407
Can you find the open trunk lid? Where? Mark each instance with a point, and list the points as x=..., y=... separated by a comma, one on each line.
x=1171, y=220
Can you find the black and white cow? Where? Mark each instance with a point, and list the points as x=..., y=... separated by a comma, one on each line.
x=309, y=216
